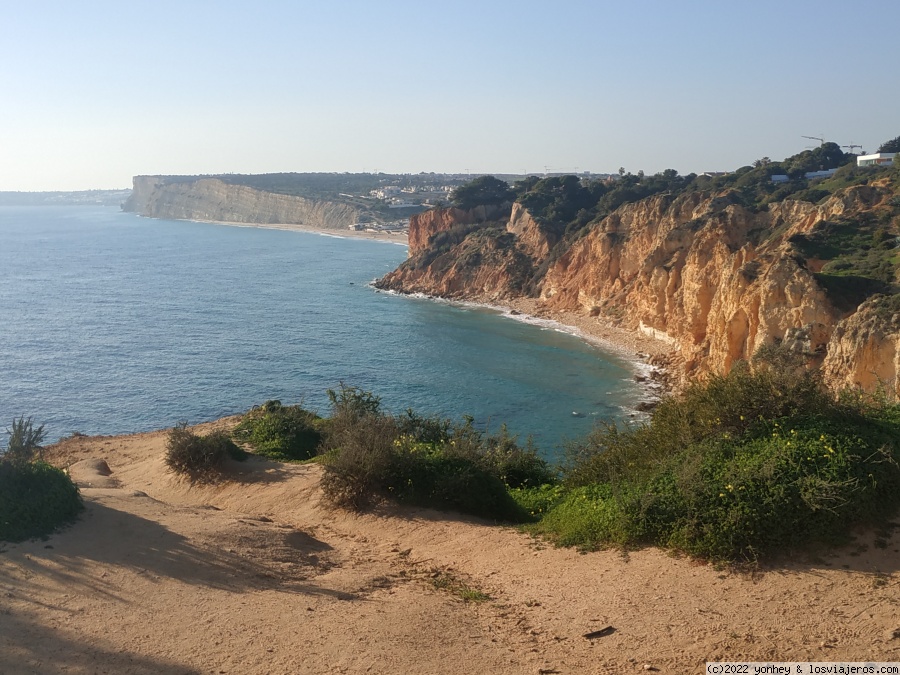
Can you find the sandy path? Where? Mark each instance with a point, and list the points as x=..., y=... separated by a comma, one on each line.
x=256, y=576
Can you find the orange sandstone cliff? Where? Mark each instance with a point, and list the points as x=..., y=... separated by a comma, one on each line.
x=712, y=278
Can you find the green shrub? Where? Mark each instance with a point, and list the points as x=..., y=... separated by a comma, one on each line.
x=538, y=501
x=745, y=465
x=35, y=498
x=425, y=462
x=437, y=476
x=281, y=432
x=353, y=402
x=199, y=457
x=723, y=405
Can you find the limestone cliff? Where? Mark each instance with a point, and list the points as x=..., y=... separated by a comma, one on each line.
x=213, y=199
x=715, y=279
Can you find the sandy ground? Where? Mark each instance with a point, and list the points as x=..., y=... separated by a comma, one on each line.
x=255, y=575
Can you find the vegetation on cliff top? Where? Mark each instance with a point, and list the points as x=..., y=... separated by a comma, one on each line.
x=738, y=468
x=35, y=498
x=859, y=250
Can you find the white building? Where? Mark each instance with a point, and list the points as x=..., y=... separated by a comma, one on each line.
x=878, y=159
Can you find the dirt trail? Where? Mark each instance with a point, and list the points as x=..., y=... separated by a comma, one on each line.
x=256, y=576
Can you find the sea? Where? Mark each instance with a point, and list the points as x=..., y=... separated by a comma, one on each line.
x=111, y=323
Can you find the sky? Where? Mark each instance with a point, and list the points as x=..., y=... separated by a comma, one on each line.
x=93, y=93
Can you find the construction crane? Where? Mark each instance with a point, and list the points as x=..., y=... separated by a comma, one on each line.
x=815, y=138
x=851, y=146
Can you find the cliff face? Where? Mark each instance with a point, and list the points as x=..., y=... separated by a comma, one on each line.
x=213, y=199
x=423, y=226
x=694, y=270
x=715, y=280
x=864, y=349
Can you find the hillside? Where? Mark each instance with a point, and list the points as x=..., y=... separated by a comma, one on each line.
x=255, y=575
x=718, y=267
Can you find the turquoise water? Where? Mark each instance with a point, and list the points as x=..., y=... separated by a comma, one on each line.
x=111, y=323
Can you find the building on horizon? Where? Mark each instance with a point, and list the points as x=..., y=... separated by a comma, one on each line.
x=877, y=159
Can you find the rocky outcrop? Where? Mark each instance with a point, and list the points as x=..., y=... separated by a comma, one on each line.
x=699, y=271
x=423, y=226
x=864, y=349
x=535, y=239
x=477, y=258
x=191, y=198
x=486, y=265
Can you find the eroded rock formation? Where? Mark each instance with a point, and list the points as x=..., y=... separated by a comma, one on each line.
x=716, y=280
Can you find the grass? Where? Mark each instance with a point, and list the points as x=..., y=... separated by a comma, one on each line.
x=445, y=581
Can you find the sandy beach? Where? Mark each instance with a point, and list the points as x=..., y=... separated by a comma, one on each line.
x=390, y=237
x=256, y=575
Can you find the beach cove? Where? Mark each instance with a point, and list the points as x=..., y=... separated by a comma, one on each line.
x=127, y=328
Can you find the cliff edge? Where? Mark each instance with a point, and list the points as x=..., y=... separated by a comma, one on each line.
x=715, y=278
x=189, y=198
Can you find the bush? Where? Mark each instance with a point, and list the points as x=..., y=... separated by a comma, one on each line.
x=426, y=462
x=517, y=467
x=537, y=501
x=199, y=457
x=744, y=465
x=35, y=499
x=353, y=402
x=441, y=477
x=24, y=441
x=281, y=432
x=722, y=406
x=358, y=467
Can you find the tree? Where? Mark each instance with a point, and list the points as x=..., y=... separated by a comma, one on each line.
x=763, y=161
x=484, y=190
x=890, y=146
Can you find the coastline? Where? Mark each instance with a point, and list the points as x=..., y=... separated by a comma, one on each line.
x=649, y=357
x=398, y=238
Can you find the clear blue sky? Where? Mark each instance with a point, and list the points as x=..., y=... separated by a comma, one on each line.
x=92, y=93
